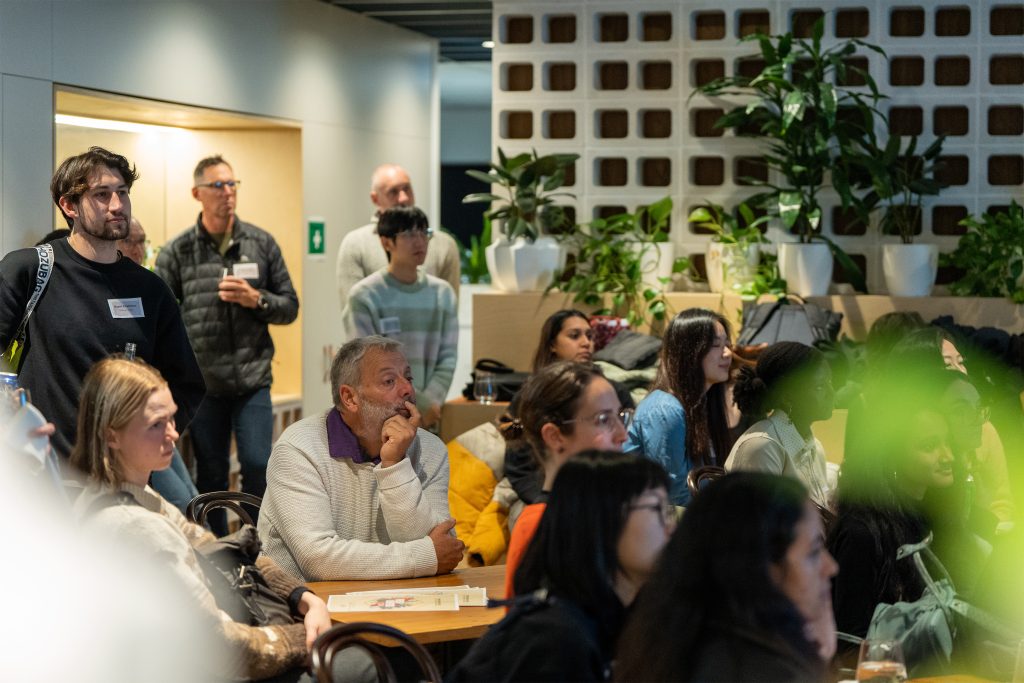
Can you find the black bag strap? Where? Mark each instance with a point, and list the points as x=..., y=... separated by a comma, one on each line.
x=755, y=317
x=493, y=366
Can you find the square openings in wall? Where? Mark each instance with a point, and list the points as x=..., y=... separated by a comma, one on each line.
x=655, y=75
x=1006, y=119
x=702, y=122
x=655, y=172
x=611, y=123
x=955, y=71
x=608, y=211
x=655, y=123
x=516, y=29
x=749, y=171
x=952, y=21
x=906, y=71
x=559, y=28
x=906, y=22
x=953, y=170
x=1007, y=20
x=706, y=171
x=656, y=27
x=852, y=22
x=749, y=22
x=801, y=21
x=951, y=121
x=516, y=77
x=846, y=222
x=708, y=25
x=613, y=27
x=906, y=121
x=1006, y=70
x=611, y=75
x=839, y=274
x=559, y=76
x=610, y=172
x=703, y=71
x=516, y=125
x=946, y=219
x=748, y=67
x=1006, y=169
x=854, y=72
x=559, y=125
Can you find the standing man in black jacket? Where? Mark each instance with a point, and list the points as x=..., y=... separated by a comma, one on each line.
x=232, y=283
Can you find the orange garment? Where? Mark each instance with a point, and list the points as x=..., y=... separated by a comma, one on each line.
x=522, y=534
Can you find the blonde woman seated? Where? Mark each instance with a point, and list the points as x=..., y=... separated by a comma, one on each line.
x=788, y=389
x=125, y=432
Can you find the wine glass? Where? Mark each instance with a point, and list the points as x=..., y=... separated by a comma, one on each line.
x=881, y=661
x=484, y=389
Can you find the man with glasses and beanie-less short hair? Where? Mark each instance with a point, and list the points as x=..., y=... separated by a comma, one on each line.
x=401, y=302
x=232, y=283
x=96, y=302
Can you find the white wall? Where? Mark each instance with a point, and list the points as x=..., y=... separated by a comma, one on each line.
x=465, y=135
x=364, y=92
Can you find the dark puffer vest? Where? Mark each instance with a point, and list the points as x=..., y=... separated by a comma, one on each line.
x=231, y=342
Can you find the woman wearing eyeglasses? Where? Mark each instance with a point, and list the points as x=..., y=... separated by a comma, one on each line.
x=578, y=578
x=564, y=409
x=683, y=423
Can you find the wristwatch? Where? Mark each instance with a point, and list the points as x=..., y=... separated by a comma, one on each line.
x=262, y=303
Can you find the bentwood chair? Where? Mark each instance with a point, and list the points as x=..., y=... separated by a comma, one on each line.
x=698, y=478
x=201, y=505
x=343, y=636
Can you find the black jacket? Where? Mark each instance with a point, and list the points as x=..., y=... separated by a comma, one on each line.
x=736, y=654
x=231, y=342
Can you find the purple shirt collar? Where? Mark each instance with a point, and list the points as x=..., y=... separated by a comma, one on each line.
x=342, y=443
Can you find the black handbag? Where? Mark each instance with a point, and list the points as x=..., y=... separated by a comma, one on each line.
x=238, y=586
x=786, y=320
x=507, y=381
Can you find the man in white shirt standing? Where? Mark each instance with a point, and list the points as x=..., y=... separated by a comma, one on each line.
x=361, y=253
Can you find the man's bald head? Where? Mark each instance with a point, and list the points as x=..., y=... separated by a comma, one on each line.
x=391, y=187
x=134, y=245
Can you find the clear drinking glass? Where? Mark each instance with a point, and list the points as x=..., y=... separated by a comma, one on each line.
x=484, y=389
x=881, y=661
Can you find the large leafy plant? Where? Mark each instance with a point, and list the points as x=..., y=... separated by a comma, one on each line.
x=811, y=124
x=900, y=179
x=740, y=228
x=529, y=182
x=609, y=264
x=473, y=259
x=991, y=255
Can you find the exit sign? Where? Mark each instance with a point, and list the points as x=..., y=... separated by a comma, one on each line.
x=317, y=238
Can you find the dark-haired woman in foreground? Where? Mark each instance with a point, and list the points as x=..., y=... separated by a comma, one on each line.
x=789, y=388
x=605, y=526
x=683, y=424
x=742, y=592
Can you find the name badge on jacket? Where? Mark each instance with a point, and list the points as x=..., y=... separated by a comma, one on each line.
x=246, y=271
x=126, y=308
x=390, y=326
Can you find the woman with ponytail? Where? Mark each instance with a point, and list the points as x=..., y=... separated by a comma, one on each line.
x=788, y=389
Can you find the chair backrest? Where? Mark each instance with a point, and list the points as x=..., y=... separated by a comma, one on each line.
x=201, y=505
x=700, y=477
x=342, y=636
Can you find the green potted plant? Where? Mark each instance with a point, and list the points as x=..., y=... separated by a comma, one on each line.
x=810, y=123
x=616, y=264
x=524, y=257
x=990, y=255
x=901, y=178
x=735, y=246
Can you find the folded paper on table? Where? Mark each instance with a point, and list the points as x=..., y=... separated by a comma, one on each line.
x=447, y=599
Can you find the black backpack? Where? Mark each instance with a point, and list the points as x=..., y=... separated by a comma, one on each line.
x=507, y=381
x=786, y=320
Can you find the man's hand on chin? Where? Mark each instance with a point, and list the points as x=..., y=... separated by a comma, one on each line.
x=397, y=434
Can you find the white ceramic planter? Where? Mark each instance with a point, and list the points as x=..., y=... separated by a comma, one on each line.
x=729, y=267
x=524, y=266
x=807, y=268
x=655, y=262
x=910, y=269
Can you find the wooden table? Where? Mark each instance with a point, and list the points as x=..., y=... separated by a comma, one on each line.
x=428, y=627
x=460, y=415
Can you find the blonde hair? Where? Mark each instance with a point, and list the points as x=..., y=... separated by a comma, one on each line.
x=114, y=391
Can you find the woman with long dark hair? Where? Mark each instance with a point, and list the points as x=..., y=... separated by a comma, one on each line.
x=789, y=388
x=741, y=592
x=605, y=526
x=683, y=423
x=565, y=335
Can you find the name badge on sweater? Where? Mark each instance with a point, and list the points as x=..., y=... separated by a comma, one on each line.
x=390, y=325
x=126, y=308
x=246, y=271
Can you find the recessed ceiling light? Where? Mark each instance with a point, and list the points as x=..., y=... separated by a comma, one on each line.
x=489, y=44
x=109, y=124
